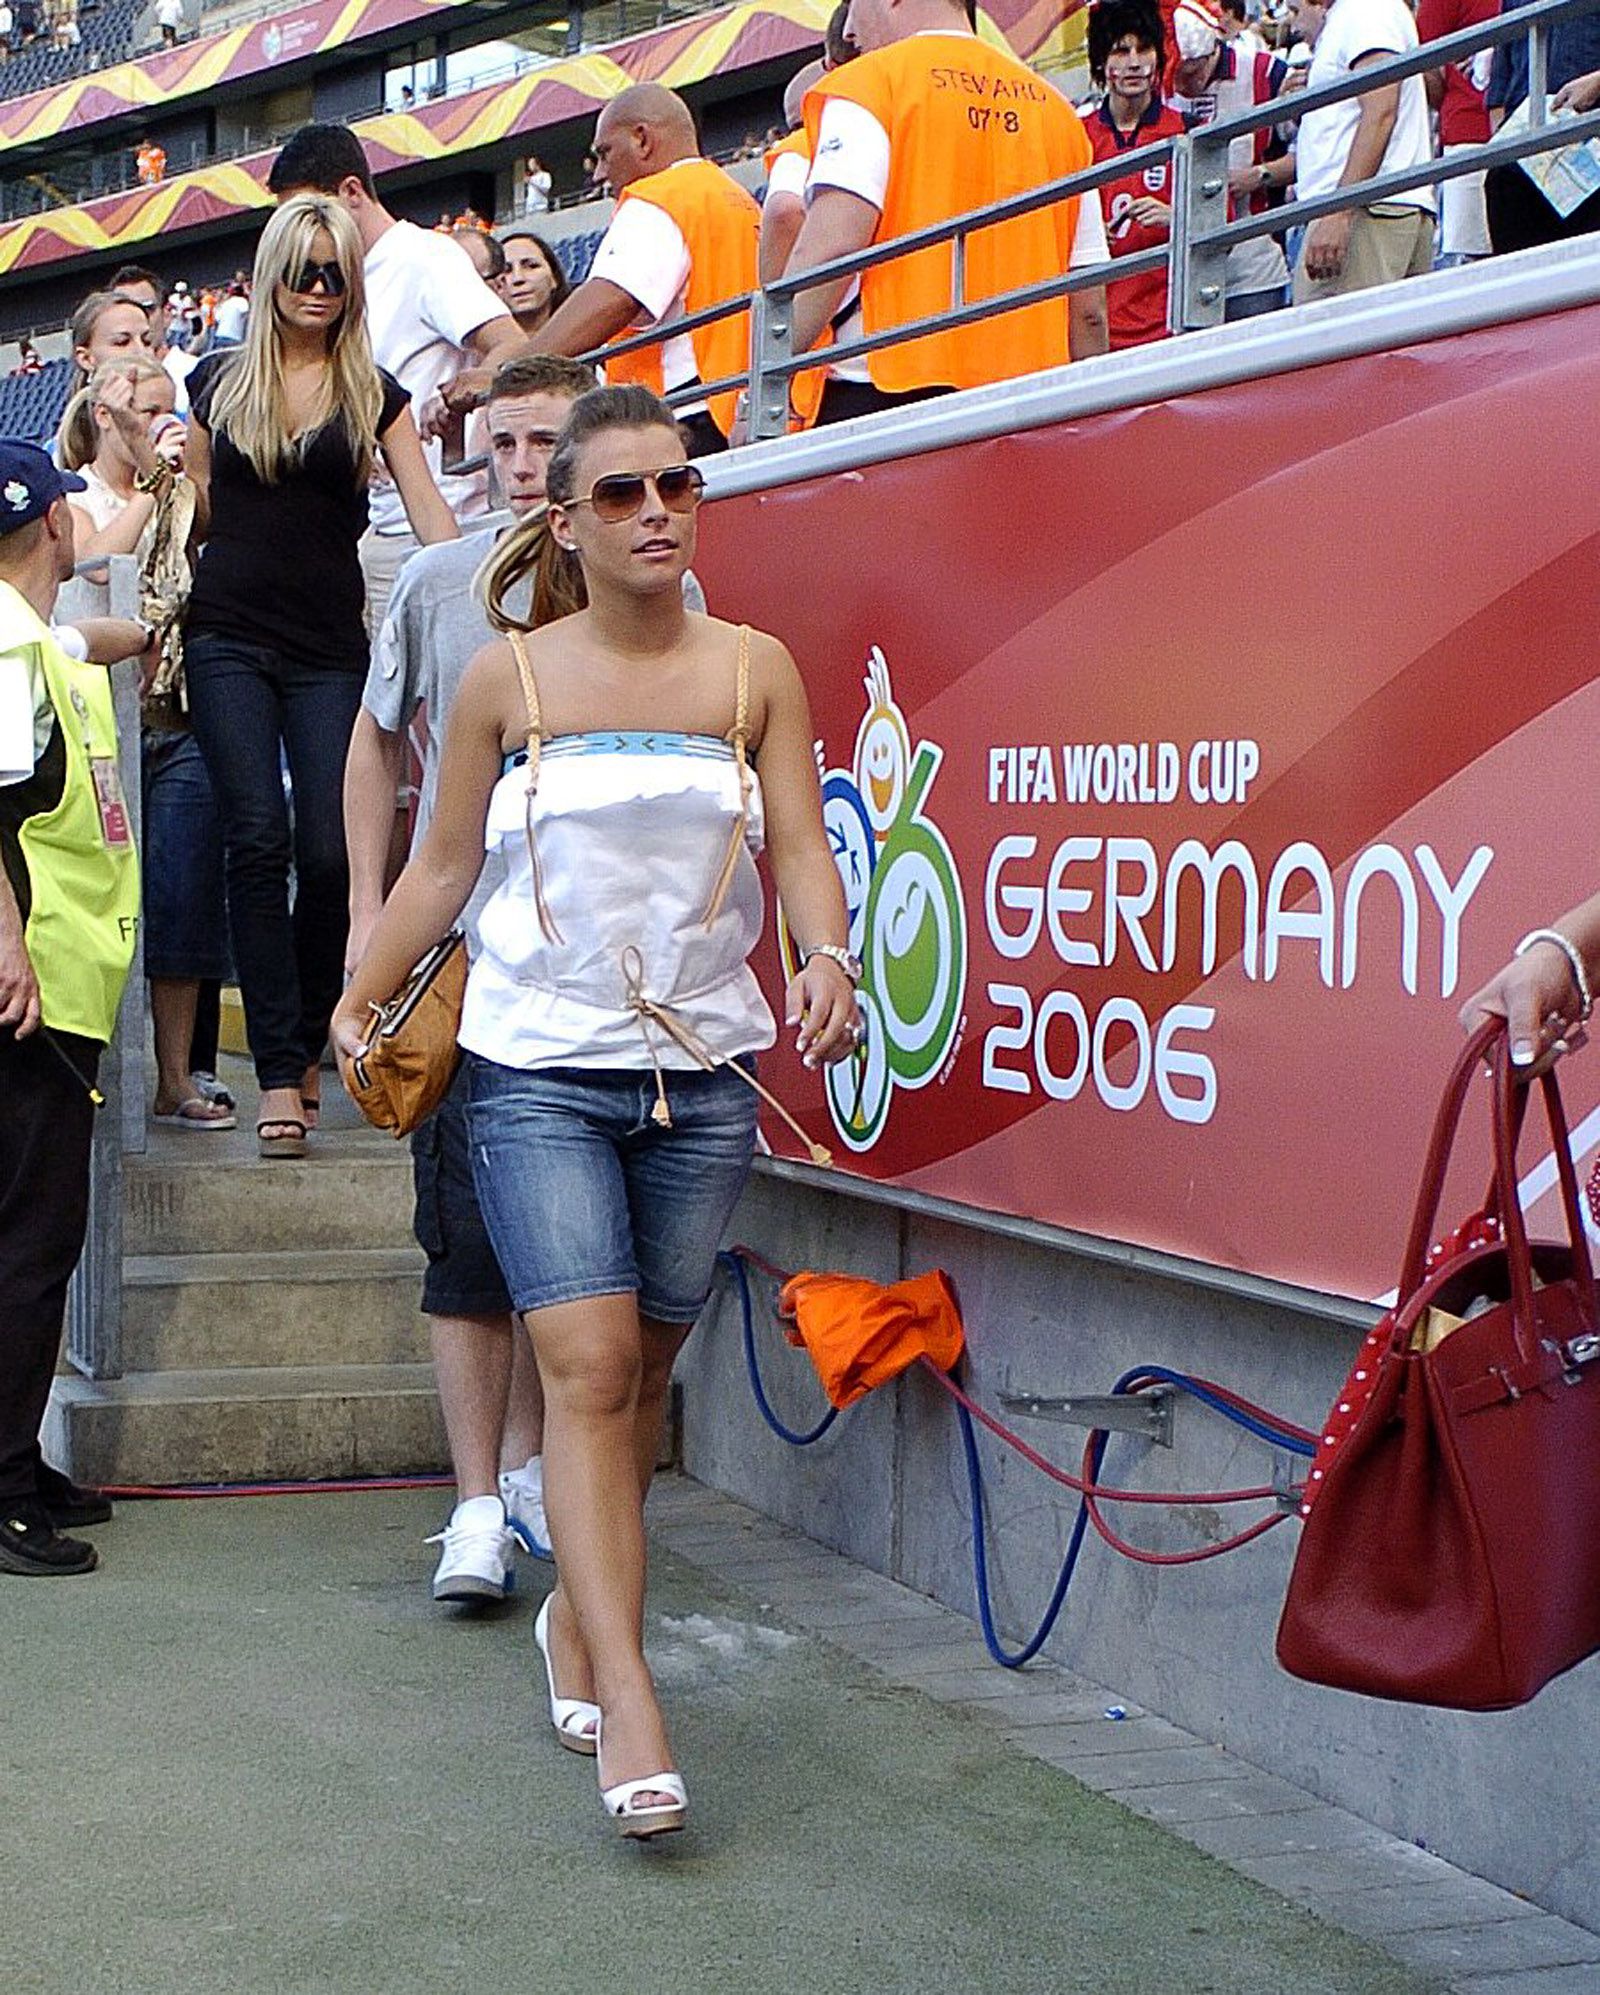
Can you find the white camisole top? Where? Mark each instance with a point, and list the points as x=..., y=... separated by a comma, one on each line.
x=630, y=901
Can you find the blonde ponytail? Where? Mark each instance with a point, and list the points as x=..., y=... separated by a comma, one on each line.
x=78, y=439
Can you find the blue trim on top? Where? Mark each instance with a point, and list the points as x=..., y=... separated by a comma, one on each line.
x=628, y=741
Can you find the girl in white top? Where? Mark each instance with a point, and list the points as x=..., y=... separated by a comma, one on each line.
x=611, y=1012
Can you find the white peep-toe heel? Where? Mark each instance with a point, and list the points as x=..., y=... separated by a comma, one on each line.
x=642, y=1823
x=574, y=1720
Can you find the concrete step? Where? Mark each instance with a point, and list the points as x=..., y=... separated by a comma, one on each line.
x=279, y=1424
x=351, y=1194
x=202, y=1311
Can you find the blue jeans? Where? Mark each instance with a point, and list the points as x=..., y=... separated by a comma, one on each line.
x=185, y=914
x=585, y=1195
x=250, y=706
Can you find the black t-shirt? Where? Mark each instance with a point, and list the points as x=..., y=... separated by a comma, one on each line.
x=281, y=567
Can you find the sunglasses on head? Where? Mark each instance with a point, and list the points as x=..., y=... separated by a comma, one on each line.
x=622, y=493
x=328, y=275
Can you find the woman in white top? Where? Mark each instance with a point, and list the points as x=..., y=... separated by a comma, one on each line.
x=611, y=1015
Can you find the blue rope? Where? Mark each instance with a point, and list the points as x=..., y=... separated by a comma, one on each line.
x=1264, y=1430
x=736, y=1267
x=1007, y=1658
x=1273, y=1435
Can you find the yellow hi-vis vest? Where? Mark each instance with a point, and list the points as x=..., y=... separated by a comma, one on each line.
x=80, y=894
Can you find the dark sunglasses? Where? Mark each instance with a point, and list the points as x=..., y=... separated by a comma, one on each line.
x=328, y=275
x=619, y=496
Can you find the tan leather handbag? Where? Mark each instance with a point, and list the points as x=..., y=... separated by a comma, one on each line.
x=405, y=1070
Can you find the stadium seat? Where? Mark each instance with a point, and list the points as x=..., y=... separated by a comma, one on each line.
x=31, y=404
x=107, y=37
x=576, y=253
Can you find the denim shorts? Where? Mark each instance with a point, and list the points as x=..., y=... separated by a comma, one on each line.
x=463, y=1277
x=585, y=1195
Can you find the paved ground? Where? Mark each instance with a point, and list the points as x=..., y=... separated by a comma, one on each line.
x=249, y=1755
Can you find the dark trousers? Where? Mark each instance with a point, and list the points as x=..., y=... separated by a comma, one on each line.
x=46, y=1122
x=250, y=705
x=1521, y=218
x=844, y=400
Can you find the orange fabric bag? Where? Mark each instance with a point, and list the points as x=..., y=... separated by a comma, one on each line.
x=863, y=1333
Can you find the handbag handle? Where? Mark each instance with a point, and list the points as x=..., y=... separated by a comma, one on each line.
x=1507, y=1120
x=1430, y=1189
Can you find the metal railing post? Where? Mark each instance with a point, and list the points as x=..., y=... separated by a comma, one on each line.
x=94, y=1300
x=771, y=344
x=1538, y=77
x=1197, y=290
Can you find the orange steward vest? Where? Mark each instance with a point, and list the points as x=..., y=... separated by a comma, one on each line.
x=968, y=124
x=805, y=390
x=721, y=225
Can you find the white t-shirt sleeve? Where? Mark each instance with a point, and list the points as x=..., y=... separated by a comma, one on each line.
x=644, y=254
x=1369, y=27
x=24, y=703
x=453, y=299
x=788, y=175
x=852, y=152
x=1089, y=243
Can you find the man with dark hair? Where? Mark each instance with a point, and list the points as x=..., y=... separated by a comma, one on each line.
x=1127, y=52
x=430, y=315
x=69, y=905
x=320, y=159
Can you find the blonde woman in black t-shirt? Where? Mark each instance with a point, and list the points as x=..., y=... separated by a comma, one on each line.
x=285, y=433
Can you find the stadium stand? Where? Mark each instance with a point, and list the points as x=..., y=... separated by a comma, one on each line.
x=31, y=404
x=106, y=37
x=576, y=253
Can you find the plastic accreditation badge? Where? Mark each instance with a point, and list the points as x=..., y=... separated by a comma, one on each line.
x=114, y=826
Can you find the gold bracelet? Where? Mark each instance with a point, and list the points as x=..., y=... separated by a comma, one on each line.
x=151, y=482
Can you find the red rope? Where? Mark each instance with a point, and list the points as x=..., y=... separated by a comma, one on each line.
x=1081, y=1486
x=1095, y=1493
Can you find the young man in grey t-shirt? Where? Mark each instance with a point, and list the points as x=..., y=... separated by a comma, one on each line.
x=488, y=1383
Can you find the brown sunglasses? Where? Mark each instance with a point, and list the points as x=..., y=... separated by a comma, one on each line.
x=621, y=495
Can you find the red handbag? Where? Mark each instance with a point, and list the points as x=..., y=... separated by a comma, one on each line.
x=1451, y=1550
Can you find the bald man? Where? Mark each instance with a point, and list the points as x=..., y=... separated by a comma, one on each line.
x=683, y=238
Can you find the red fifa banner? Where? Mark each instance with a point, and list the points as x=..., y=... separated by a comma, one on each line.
x=1187, y=766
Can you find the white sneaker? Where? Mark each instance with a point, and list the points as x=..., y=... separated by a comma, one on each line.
x=522, y=1493
x=478, y=1549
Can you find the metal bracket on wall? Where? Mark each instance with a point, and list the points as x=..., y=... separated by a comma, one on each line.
x=1147, y=1413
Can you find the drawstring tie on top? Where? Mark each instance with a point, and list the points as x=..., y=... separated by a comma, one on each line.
x=651, y=1012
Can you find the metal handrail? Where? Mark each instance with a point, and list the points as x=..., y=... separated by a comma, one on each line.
x=1201, y=233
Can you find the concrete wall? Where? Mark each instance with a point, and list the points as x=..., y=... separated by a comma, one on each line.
x=1510, y=1797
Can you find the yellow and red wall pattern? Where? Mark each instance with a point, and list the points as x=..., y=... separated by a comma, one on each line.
x=154, y=82
x=685, y=53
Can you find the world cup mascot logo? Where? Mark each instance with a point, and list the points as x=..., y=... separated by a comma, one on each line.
x=907, y=922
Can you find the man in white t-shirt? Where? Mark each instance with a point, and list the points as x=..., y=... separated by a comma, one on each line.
x=429, y=314
x=1383, y=132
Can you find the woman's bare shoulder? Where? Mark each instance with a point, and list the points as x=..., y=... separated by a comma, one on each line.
x=769, y=655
